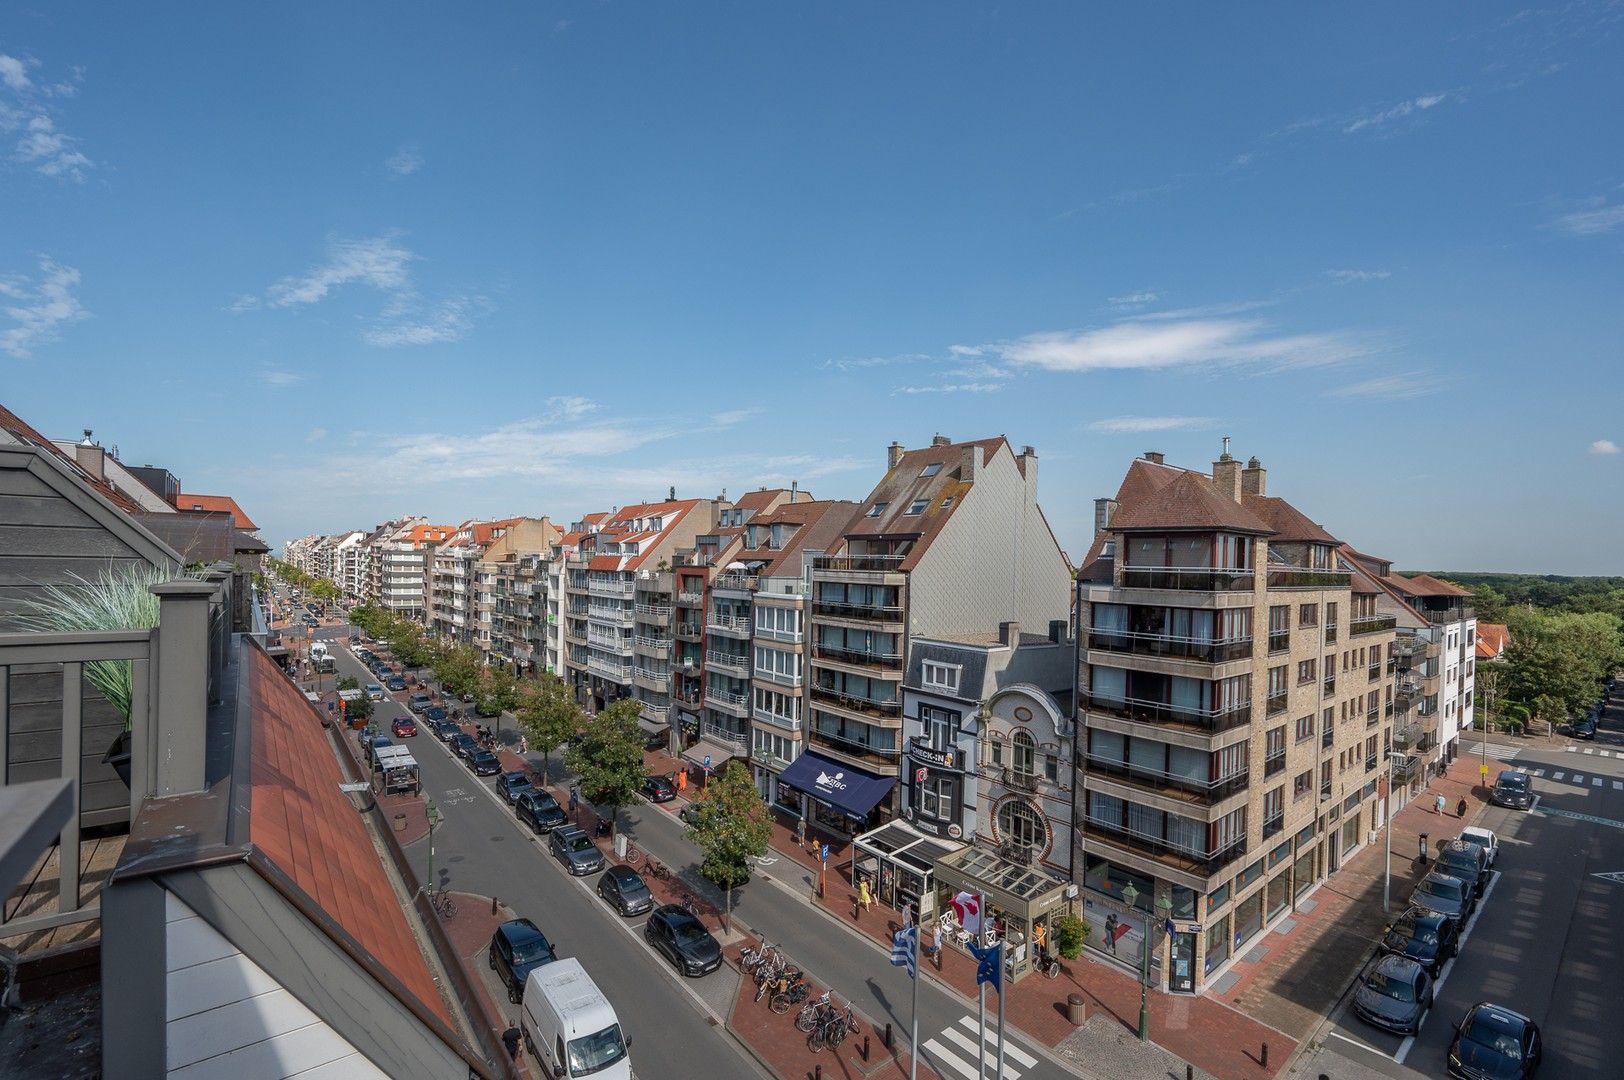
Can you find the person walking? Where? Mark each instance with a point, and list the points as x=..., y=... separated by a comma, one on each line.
x=1440, y=805
x=1460, y=808
x=1111, y=932
x=800, y=832
x=864, y=897
x=936, y=946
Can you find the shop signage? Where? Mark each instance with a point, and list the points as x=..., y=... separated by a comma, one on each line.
x=954, y=831
x=921, y=750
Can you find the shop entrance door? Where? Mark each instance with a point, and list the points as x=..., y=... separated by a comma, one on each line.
x=1182, y=978
x=888, y=885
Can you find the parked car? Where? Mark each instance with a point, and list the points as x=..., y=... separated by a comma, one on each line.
x=659, y=788
x=368, y=733
x=395, y=683
x=573, y=848
x=689, y=813
x=418, y=702
x=1446, y=895
x=540, y=811
x=1394, y=994
x=517, y=948
x=1426, y=937
x=434, y=714
x=375, y=691
x=683, y=940
x=1483, y=838
x=484, y=763
x=625, y=890
x=1514, y=790
x=1465, y=861
x=1494, y=1042
x=445, y=730
x=513, y=784
x=463, y=745
x=1584, y=728
x=404, y=727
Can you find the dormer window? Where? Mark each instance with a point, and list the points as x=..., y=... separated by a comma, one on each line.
x=943, y=677
x=917, y=507
x=876, y=510
x=930, y=470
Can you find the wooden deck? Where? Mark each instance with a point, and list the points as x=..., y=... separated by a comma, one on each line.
x=37, y=896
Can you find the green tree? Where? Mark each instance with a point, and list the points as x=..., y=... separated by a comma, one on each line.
x=359, y=709
x=548, y=716
x=498, y=691
x=730, y=825
x=609, y=758
x=1555, y=662
x=458, y=668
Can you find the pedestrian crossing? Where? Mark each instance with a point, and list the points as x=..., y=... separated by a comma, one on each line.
x=1562, y=776
x=1594, y=750
x=1494, y=750
x=953, y=1052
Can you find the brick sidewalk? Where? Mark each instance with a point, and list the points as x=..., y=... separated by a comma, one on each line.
x=470, y=931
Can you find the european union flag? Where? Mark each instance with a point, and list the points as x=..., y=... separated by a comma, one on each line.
x=990, y=965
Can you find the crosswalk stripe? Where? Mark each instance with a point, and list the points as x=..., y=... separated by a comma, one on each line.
x=1554, y=776
x=1618, y=785
x=1539, y=772
x=989, y=1054
x=939, y=1055
x=1596, y=782
x=1590, y=749
x=1577, y=779
x=1570, y=749
x=1011, y=1051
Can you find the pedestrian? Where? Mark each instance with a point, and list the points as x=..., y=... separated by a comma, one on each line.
x=575, y=802
x=524, y=745
x=1460, y=808
x=800, y=832
x=936, y=946
x=1111, y=932
x=864, y=897
x=1439, y=803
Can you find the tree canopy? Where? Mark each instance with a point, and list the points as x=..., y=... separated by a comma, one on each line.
x=730, y=825
x=548, y=716
x=609, y=758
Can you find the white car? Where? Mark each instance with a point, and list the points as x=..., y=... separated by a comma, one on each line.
x=374, y=691
x=1483, y=838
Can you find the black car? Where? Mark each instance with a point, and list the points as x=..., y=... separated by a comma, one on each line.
x=1493, y=1043
x=1394, y=994
x=517, y=949
x=683, y=940
x=445, y=730
x=658, y=789
x=575, y=849
x=1584, y=729
x=395, y=682
x=1446, y=895
x=1426, y=937
x=434, y=714
x=1467, y=862
x=513, y=784
x=540, y=811
x=484, y=763
x=1513, y=790
x=463, y=745
x=625, y=890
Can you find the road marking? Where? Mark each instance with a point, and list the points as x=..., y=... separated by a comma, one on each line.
x=939, y=1055
x=989, y=1053
x=1578, y=778
x=1596, y=782
x=1590, y=749
x=1614, y=876
x=1011, y=1050
x=1592, y=818
x=1356, y=1042
x=1570, y=749
x=1539, y=772
x=1557, y=775
x=1618, y=785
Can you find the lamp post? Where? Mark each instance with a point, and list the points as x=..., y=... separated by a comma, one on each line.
x=1387, y=878
x=433, y=813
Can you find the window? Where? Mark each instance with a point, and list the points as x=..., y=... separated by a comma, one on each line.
x=1021, y=826
x=941, y=726
x=1330, y=614
x=918, y=506
x=1279, y=628
x=936, y=798
x=948, y=502
x=1302, y=785
x=1024, y=759
x=930, y=470
x=941, y=676
x=1274, y=811
x=877, y=509
x=1232, y=760
x=1305, y=728
x=1274, y=753
x=1308, y=615
x=1306, y=670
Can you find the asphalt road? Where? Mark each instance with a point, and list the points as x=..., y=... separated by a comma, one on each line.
x=1548, y=941
x=480, y=848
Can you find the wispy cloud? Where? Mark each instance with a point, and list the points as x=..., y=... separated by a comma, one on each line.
x=1134, y=299
x=951, y=388
x=1123, y=425
x=1595, y=219
x=1399, y=111
x=1177, y=343
x=405, y=161
x=449, y=320
x=316, y=435
x=38, y=308
x=26, y=109
x=1344, y=277
x=570, y=407
x=1604, y=447
x=734, y=417
x=861, y=363
x=280, y=378
x=14, y=73
x=1402, y=386
x=376, y=261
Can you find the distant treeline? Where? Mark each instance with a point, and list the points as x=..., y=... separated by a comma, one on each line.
x=1494, y=594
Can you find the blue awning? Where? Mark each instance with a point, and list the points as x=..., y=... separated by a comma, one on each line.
x=842, y=788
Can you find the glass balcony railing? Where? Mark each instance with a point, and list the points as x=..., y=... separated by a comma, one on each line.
x=885, y=757
x=1374, y=624
x=848, y=563
x=862, y=657
x=1205, y=650
x=1163, y=850
x=1293, y=577
x=840, y=610
x=866, y=706
x=1160, y=712
x=1194, y=578
x=1189, y=788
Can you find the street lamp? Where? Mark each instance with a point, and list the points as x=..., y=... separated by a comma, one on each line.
x=433, y=813
x=1387, y=880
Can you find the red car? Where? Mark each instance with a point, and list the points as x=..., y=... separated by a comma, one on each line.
x=404, y=728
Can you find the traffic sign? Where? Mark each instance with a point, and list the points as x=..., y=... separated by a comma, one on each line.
x=707, y=763
x=824, y=853
x=1483, y=770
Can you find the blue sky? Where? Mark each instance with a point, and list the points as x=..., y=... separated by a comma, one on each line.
x=348, y=261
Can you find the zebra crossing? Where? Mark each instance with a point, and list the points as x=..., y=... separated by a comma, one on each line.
x=1563, y=776
x=1596, y=750
x=1494, y=750
x=953, y=1052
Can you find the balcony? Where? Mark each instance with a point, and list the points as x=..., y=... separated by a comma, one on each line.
x=732, y=662
x=1186, y=579
x=658, y=646
x=1018, y=779
x=612, y=642
x=1292, y=577
x=1406, y=770
x=1408, y=645
x=690, y=599
x=885, y=710
x=653, y=611
x=773, y=633
x=1274, y=763
x=883, y=613
x=651, y=678
x=611, y=587
x=781, y=678
x=1272, y=825
x=1163, y=850
x=655, y=712
x=574, y=635
x=1210, y=721
x=728, y=701
x=1373, y=624
x=1325, y=791
x=862, y=753
x=1277, y=702
x=734, y=583
x=723, y=623
x=608, y=669
x=783, y=723
x=1172, y=785
x=858, y=563
x=857, y=657
x=1446, y=616
x=1207, y=651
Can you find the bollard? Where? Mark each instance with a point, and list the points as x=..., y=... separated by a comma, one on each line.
x=817, y=1072
x=1265, y=1062
x=493, y=905
x=1075, y=1005
x=888, y=1036
x=865, y=1047
x=1189, y=1071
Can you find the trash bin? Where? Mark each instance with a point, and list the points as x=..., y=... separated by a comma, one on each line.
x=400, y=822
x=620, y=845
x=1074, y=1009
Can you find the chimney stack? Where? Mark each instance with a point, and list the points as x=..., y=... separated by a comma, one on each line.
x=1103, y=509
x=1254, y=478
x=794, y=485
x=1009, y=633
x=1226, y=476
x=91, y=458
x=1155, y=457
x=893, y=454
x=940, y=440
x=971, y=462
x=1028, y=461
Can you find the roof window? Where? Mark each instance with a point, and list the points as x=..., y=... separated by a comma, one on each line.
x=876, y=510
x=918, y=506
x=931, y=470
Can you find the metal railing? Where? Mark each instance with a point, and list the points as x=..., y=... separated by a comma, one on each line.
x=1274, y=763
x=653, y=611
x=1330, y=684
x=734, y=583
x=782, y=678
x=1328, y=739
x=861, y=657
x=1195, y=578
x=1373, y=624
x=618, y=672
x=866, y=706
x=734, y=624
x=1273, y=825
x=1330, y=633
x=850, y=748
x=765, y=716
x=1164, y=850
x=602, y=587
x=1161, y=712
x=879, y=612
x=688, y=598
x=850, y=563
x=1276, y=702
x=1206, y=650
x=1370, y=764
x=686, y=631
x=711, y=730
x=1279, y=641
x=730, y=661
x=1165, y=782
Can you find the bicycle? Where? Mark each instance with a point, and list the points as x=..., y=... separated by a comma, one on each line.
x=654, y=868
x=778, y=983
x=813, y=1012
x=632, y=852
x=443, y=905
x=796, y=993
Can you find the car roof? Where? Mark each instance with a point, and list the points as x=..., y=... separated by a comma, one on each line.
x=1501, y=1014
x=1393, y=965
x=1419, y=915
x=1477, y=830
x=1439, y=875
x=676, y=913
x=519, y=931
x=623, y=873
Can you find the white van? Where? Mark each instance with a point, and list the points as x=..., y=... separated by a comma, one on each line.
x=570, y=1027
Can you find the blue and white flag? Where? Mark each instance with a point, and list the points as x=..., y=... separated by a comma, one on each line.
x=990, y=965
x=905, y=951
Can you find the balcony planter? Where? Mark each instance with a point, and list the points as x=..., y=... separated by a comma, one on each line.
x=118, y=756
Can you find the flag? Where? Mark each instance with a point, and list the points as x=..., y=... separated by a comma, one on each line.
x=905, y=950
x=967, y=908
x=989, y=965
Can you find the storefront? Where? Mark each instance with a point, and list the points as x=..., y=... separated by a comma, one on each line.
x=936, y=789
x=1019, y=901
x=897, y=862
x=840, y=797
x=708, y=757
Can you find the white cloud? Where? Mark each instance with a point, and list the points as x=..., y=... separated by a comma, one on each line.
x=965, y=350
x=243, y=302
x=50, y=151
x=14, y=73
x=1179, y=343
x=862, y=362
x=1402, y=386
x=571, y=407
x=734, y=417
x=316, y=435
x=951, y=388
x=1346, y=276
x=981, y=371
x=1598, y=219
x=1399, y=111
x=1604, y=447
x=1123, y=425
x=449, y=320
x=40, y=309
x=377, y=261
x=1134, y=299
x=281, y=379
x=405, y=161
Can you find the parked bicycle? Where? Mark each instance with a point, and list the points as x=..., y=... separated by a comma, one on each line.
x=778, y=983
x=442, y=903
x=654, y=868
x=750, y=959
x=813, y=1011
x=831, y=1029
x=782, y=1001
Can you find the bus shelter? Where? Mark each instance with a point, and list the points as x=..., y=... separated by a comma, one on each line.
x=897, y=862
x=1019, y=899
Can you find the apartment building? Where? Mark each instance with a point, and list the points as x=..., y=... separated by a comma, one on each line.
x=511, y=601
x=399, y=560
x=450, y=582
x=346, y=561
x=1232, y=692
x=950, y=543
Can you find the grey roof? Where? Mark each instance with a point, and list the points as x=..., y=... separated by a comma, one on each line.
x=971, y=658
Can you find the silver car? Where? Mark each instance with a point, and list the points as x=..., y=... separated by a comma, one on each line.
x=575, y=849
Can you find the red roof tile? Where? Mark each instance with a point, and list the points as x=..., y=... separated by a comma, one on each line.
x=1189, y=502
x=188, y=501
x=302, y=823
x=1286, y=521
x=1492, y=639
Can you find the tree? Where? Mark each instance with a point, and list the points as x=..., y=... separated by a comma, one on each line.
x=360, y=708
x=497, y=691
x=730, y=825
x=458, y=668
x=609, y=758
x=407, y=642
x=548, y=716
x=1555, y=663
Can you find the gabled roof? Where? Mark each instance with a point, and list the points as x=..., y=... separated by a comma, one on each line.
x=14, y=428
x=188, y=501
x=1492, y=639
x=1427, y=585
x=1285, y=521
x=1189, y=502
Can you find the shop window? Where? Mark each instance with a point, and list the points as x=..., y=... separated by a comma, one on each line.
x=1022, y=827
x=1248, y=919
x=1184, y=902
x=1217, y=943
x=936, y=798
x=1217, y=898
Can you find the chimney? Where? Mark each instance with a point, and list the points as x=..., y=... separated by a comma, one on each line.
x=1057, y=630
x=971, y=462
x=1028, y=461
x=1155, y=456
x=1226, y=476
x=91, y=458
x=1009, y=633
x=794, y=486
x=1253, y=478
x=893, y=454
x=1103, y=509
x=940, y=440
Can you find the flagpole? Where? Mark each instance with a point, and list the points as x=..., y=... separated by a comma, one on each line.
x=981, y=989
x=913, y=1039
x=1002, y=993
